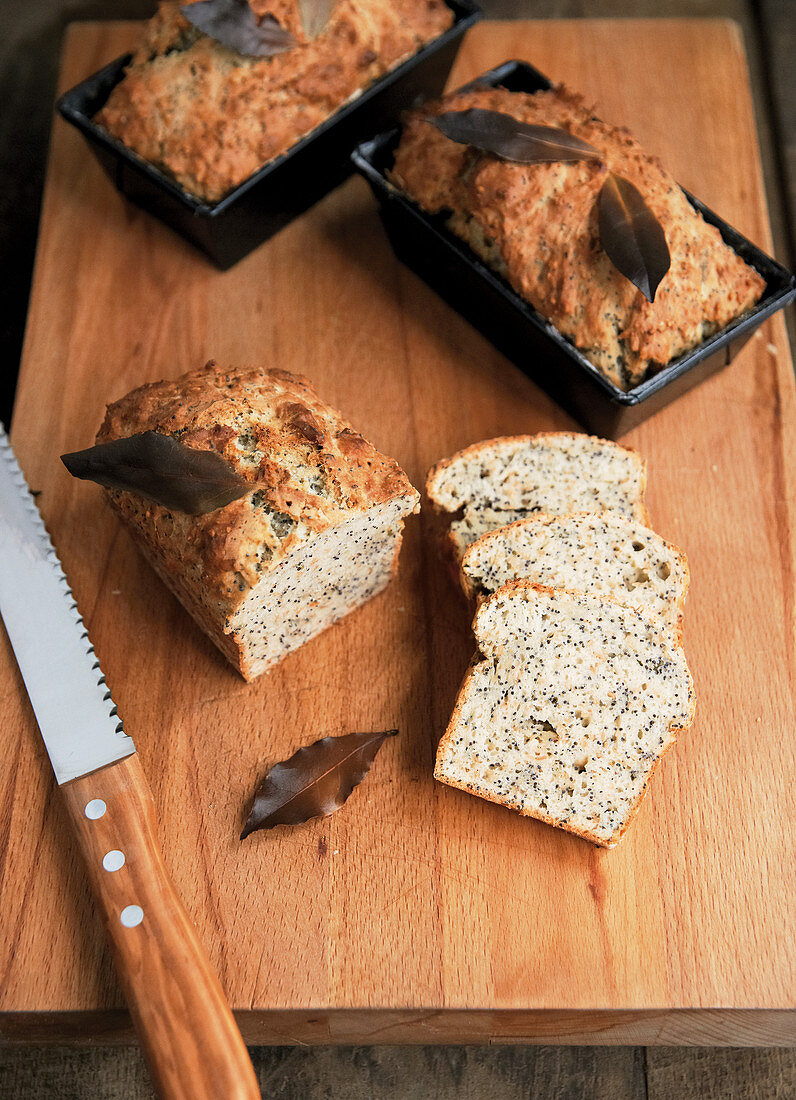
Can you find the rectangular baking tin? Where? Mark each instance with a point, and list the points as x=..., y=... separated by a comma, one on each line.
x=488, y=302
x=229, y=229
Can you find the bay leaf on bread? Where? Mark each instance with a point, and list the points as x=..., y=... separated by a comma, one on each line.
x=314, y=782
x=234, y=25
x=161, y=469
x=631, y=235
x=508, y=138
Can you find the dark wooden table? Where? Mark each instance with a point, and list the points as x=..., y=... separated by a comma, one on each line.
x=28, y=67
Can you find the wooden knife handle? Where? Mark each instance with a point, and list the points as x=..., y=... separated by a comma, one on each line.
x=190, y=1038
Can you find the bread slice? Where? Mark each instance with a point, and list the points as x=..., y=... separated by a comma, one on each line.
x=496, y=482
x=568, y=709
x=602, y=554
x=318, y=534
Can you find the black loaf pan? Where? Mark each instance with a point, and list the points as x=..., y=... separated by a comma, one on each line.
x=229, y=229
x=485, y=299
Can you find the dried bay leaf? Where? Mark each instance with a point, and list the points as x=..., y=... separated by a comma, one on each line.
x=632, y=236
x=510, y=139
x=313, y=782
x=315, y=15
x=234, y=25
x=162, y=469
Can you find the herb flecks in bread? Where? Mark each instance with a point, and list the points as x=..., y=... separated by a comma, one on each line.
x=568, y=709
x=498, y=481
x=318, y=535
x=537, y=225
x=599, y=554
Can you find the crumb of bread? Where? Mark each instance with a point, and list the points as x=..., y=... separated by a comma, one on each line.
x=567, y=709
x=498, y=481
x=601, y=554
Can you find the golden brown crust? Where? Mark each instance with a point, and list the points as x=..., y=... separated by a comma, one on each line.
x=309, y=471
x=448, y=735
x=537, y=225
x=211, y=118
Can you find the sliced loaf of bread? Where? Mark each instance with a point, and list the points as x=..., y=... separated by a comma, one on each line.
x=496, y=482
x=602, y=554
x=316, y=536
x=568, y=709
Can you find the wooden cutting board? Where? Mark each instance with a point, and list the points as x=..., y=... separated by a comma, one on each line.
x=416, y=913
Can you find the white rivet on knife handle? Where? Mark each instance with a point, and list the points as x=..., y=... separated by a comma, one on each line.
x=131, y=916
x=95, y=809
x=113, y=860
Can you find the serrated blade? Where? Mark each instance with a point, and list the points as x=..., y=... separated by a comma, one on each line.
x=70, y=698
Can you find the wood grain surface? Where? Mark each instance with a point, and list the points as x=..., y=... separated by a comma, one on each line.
x=417, y=913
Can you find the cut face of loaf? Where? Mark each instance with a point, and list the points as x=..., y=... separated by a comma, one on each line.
x=317, y=534
x=574, y=701
x=321, y=582
x=496, y=482
x=329, y=575
x=601, y=554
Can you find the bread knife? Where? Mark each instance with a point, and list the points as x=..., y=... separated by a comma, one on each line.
x=190, y=1039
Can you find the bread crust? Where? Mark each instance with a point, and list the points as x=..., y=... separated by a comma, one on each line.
x=476, y=598
x=210, y=117
x=449, y=546
x=673, y=730
x=485, y=445
x=537, y=226
x=308, y=468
